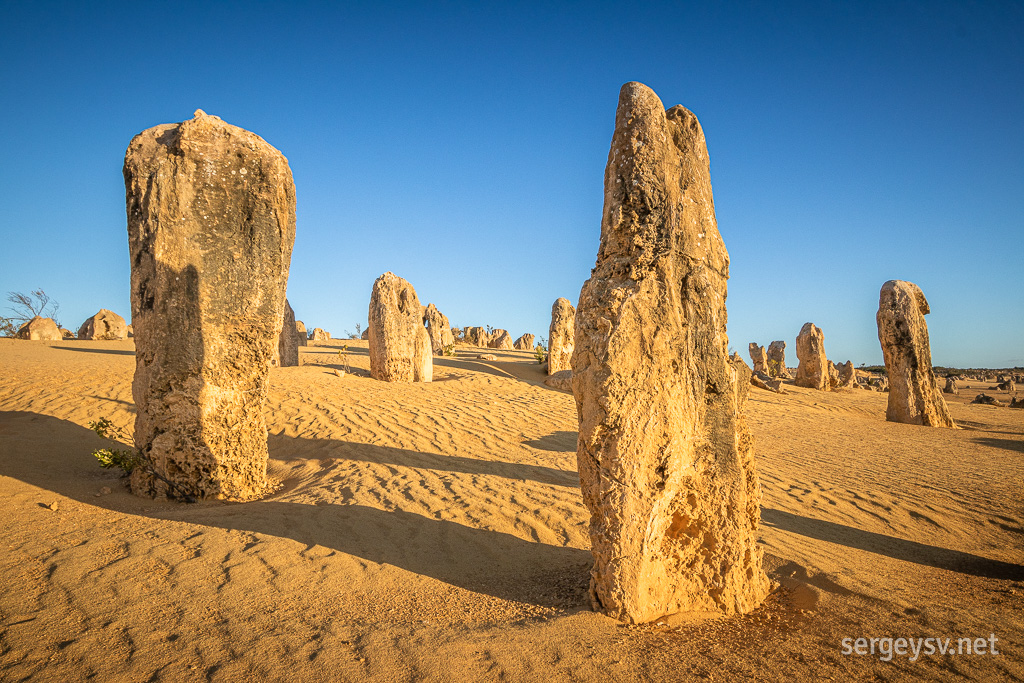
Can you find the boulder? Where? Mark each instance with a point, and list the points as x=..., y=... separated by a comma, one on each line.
x=105, y=325
x=500, y=340
x=487, y=356
x=131, y=331
x=300, y=330
x=768, y=383
x=287, y=353
x=561, y=380
x=319, y=334
x=39, y=329
x=399, y=344
x=66, y=333
x=525, y=342
x=439, y=330
x=951, y=387
x=813, y=371
x=985, y=399
x=560, y=336
x=759, y=358
x=777, y=359
x=665, y=457
x=477, y=336
x=211, y=223
x=1017, y=402
x=366, y=334
x=914, y=396
x=847, y=375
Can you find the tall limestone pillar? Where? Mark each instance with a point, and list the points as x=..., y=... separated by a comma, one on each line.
x=211, y=223
x=665, y=457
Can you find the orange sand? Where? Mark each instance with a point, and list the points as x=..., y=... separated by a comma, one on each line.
x=436, y=532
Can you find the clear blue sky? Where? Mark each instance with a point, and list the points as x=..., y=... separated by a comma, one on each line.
x=463, y=145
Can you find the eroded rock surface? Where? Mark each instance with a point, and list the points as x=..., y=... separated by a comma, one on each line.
x=300, y=330
x=39, y=329
x=759, y=357
x=500, y=340
x=287, y=355
x=211, y=222
x=525, y=342
x=399, y=344
x=665, y=457
x=561, y=334
x=813, y=371
x=319, y=334
x=477, y=336
x=914, y=396
x=105, y=325
x=439, y=330
x=777, y=359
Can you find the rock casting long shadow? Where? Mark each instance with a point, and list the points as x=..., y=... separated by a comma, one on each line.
x=890, y=546
x=480, y=560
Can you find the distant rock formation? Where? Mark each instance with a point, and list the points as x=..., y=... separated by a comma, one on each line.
x=477, y=336
x=399, y=344
x=211, y=222
x=319, y=334
x=810, y=350
x=847, y=375
x=759, y=358
x=914, y=396
x=665, y=457
x=500, y=340
x=561, y=336
x=287, y=354
x=39, y=329
x=303, y=335
x=951, y=387
x=525, y=342
x=105, y=325
x=66, y=333
x=777, y=359
x=985, y=399
x=439, y=330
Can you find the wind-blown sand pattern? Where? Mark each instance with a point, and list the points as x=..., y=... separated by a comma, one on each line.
x=431, y=531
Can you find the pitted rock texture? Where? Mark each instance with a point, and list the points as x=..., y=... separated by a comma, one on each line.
x=847, y=375
x=914, y=396
x=104, y=325
x=813, y=371
x=287, y=354
x=525, y=342
x=399, y=344
x=665, y=457
x=40, y=329
x=438, y=329
x=561, y=334
x=951, y=387
x=211, y=223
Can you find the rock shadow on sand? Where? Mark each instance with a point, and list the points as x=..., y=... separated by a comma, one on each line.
x=480, y=560
x=113, y=352
x=890, y=546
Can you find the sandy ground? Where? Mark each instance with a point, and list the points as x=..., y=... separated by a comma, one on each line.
x=436, y=532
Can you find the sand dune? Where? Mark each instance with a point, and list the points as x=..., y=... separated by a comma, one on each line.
x=436, y=532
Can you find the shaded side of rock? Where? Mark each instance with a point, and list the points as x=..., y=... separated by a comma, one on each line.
x=914, y=396
x=500, y=340
x=39, y=329
x=105, y=325
x=439, y=330
x=399, y=344
x=813, y=371
x=665, y=457
x=211, y=223
x=777, y=359
x=561, y=335
x=287, y=354
x=561, y=380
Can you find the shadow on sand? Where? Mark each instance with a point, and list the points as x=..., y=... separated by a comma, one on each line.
x=114, y=352
x=890, y=546
x=480, y=560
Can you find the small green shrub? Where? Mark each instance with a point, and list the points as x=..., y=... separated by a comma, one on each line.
x=541, y=354
x=128, y=460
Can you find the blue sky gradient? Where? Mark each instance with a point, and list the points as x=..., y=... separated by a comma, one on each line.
x=462, y=146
